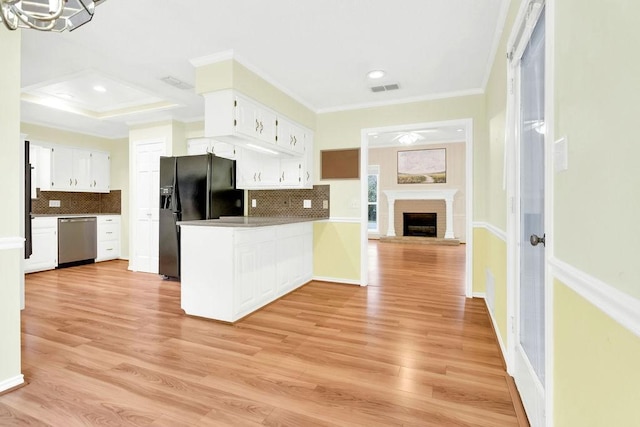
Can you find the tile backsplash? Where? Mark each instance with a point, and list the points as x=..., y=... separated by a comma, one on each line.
x=77, y=203
x=290, y=203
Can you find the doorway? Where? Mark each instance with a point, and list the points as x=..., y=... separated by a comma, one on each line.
x=460, y=131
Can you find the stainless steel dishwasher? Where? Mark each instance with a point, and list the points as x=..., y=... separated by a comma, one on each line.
x=77, y=239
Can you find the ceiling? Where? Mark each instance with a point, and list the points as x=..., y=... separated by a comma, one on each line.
x=319, y=52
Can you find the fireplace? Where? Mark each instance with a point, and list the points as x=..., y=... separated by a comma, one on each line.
x=420, y=224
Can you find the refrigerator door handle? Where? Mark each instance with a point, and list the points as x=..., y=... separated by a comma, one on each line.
x=207, y=214
x=231, y=177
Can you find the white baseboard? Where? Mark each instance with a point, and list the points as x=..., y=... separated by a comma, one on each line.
x=337, y=280
x=503, y=348
x=11, y=382
x=620, y=306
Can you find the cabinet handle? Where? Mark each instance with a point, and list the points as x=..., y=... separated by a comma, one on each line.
x=283, y=176
x=257, y=125
x=109, y=249
x=70, y=181
x=254, y=177
x=76, y=182
x=109, y=232
x=260, y=176
x=261, y=127
x=295, y=141
x=307, y=176
x=290, y=139
x=94, y=183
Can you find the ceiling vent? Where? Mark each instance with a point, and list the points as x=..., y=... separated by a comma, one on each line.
x=385, y=88
x=176, y=83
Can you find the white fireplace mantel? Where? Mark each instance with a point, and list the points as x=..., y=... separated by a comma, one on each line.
x=446, y=195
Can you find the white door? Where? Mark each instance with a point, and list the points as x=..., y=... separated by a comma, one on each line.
x=529, y=340
x=147, y=203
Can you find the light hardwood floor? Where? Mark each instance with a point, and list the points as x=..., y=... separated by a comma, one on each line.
x=105, y=346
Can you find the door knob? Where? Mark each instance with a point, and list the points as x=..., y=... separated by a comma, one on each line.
x=534, y=240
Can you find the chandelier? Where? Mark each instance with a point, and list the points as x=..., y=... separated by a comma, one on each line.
x=46, y=15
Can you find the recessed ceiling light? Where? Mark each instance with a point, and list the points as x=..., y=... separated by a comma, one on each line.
x=376, y=74
x=99, y=88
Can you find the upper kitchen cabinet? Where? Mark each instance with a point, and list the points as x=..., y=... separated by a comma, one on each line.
x=61, y=168
x=290, y=135
x=100, y=172
x=197, y=146
x=234, y=118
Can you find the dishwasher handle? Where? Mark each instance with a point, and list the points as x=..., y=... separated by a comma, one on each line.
x=84, y=219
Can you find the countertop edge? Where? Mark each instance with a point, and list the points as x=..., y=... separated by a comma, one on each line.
x=259, y=222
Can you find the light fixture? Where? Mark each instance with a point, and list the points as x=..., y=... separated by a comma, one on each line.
x=376, y=74
x=100, y=88
x=46, y=15
x=408, y=138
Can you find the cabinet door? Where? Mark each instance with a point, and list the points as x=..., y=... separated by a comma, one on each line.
x=290, y=136
x=246, y=272
x=257, y=171
x=246, y=119
x=198, y=146
x=45, y=250
x=307, y=166
x=266, y=279
x=100, y=172
x=62, y=169
x=223, y=149
x=290, y=172
x=267, y=126
x=82, y=170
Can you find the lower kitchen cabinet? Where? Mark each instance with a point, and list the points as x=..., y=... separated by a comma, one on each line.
x=230, y=272
x=44, y=238
x=108, y=237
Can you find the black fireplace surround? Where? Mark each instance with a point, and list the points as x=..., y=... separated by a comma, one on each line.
x=420, y=224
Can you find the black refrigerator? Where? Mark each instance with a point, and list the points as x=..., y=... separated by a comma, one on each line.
x=193, y=188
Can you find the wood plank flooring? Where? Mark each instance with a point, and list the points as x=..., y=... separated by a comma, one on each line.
x=105, y=346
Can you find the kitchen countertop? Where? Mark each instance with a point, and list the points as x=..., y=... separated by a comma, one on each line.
x=246, y=221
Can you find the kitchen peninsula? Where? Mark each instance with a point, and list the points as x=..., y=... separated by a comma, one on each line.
x=232, y=266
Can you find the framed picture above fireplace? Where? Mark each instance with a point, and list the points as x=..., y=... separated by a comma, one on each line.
x=422, y=166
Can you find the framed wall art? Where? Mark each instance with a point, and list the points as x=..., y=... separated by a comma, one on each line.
x=422, y=166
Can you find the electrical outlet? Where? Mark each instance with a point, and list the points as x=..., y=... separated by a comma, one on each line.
x=253, y=203
x=325, y=204
x=306, y=204
x=54, y=203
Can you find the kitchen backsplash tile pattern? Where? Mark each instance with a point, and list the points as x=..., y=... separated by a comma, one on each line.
x=77, y=203
x=290, y=203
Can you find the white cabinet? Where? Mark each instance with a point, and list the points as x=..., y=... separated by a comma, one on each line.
x=100, y=172
x=229, y=272
x=44, y=238
x=76, y=169
x=257, y=171
x=255, y=269
x=290, y=135
x=108, y=229
x=234, y=118
x=197, y=146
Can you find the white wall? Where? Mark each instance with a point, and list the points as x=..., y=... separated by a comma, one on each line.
x=11, y=245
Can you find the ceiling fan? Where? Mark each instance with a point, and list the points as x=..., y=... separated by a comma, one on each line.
x=408, y=138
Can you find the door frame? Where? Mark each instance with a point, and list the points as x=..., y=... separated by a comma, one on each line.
x=467, y=125
x=519, y=32
x=133, y=225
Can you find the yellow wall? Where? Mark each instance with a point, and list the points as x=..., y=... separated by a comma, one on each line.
x=12, y=202
x=334, y=253
x=596, y=375
x=491, y=254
